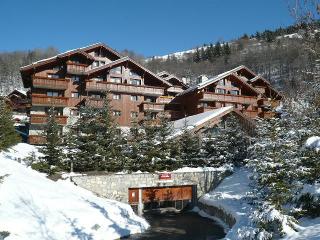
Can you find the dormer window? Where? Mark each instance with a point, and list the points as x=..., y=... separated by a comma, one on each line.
x=95, y=64
x=222, y=82
x=134, y=74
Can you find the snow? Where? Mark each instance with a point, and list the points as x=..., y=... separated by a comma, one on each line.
x=230, y=196
x=313, y=142
x=196, y=120
x=309, y=230
x=203, y=169
x=34, y=207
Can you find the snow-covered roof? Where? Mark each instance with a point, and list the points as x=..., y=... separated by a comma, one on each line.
x=194, y=121
x=218, y=78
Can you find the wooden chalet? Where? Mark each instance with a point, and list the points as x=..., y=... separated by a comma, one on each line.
x=240, y=88
x=82, y=76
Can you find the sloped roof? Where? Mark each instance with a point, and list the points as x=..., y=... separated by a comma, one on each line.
x=82, y=51
x=218, y=78
x=199, y=121
x=126, y=59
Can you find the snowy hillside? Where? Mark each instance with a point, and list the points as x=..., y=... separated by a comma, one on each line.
x=34, y=207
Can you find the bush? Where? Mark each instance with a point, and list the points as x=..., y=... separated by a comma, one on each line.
x=4, y=234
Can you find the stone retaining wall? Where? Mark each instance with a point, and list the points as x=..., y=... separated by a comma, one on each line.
x=115, y=186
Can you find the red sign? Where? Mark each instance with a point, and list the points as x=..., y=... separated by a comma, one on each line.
x=165, y=176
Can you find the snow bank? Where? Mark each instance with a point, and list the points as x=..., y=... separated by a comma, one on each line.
x=34, y=207
x=227, y=167
x=230, y=196
x=19, y=152
x=309, y=230
x=313, y=142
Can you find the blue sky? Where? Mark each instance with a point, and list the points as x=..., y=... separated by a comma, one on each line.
x=149, y=27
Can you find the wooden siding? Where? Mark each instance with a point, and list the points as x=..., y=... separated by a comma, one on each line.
x=42, y=119
x=36, y=139
x=50, y=83
x=40, y=100
x=239, y=99
x=100, y=86
x=166, y=194
x=76, y=68
x=152, y=107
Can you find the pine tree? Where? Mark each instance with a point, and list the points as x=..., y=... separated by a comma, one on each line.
x=197, y=56
x=52, y=149
x=217, y=49
x=8, y=134
x=86, y=155
x=189, y=144
x=109, y=139
x=226, y=49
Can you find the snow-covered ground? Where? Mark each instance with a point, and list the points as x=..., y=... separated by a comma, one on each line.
x=232, y=197
x=34, y=207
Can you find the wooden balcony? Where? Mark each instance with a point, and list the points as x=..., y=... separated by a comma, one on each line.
x=164, y=99
x=36, y=139
x=175, y=89
x=101, y=86
x=251, y=114
x=152, y=107
x=50, y=83
x=94, y=102
x=229, y=98
x=76, y=68
x=42, y=119
x=40, y=100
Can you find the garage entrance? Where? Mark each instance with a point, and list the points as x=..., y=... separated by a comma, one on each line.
x=148, y=198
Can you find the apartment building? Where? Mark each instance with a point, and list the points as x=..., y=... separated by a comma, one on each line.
x=82, y=76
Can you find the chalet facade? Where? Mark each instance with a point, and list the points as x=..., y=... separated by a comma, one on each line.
x=240, y=88
x=82, y=76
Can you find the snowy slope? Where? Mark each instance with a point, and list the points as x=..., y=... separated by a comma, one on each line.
x=34, y=207
x=230, y=196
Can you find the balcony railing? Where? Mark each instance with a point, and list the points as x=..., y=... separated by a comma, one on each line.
x=152, y=107
x=94, y=102
x=99, y=86
x=42, y=119
x=76, y=68
x=164, y=99
x=229, y=98
x=251, y=114
x=175, y=89
x=39, y=100
x=50, y=83
x=36, y=139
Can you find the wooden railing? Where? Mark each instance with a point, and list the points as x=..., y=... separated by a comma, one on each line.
x=175, y=89
x=229, y=98
x=125, y=88
x=76, y=68
x=164, y=99
x=40, y=100
x=153, y=107
x=50, y=83
x=36, y=139
x=42, y=119
x=251, y=114
x=94, y=102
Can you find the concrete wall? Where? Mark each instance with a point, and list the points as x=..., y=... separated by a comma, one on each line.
x=115, y=186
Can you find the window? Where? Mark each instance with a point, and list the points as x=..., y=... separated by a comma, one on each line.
x=134, y=98
x=135, y=82
x=234, y=92
x=96, y=54
x=74, y=112
x=53, y=94
x=233, y=84
x=134, y=114
x=116, y=70
x=75, y=78
x=153, y=115
x=134, y=74
x=53, y=75
x=149, y=99
x=116, y=96
x=75, y=95
x=219, y=90
x=116, y=113
x=222, y=82
x=102, y=63
x=204, y=104
x=95, y=64
x=95, y=96
x=115, y=80
x=57, y=68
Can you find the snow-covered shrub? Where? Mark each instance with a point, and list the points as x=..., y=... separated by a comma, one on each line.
x=252, y=233
x=309, y=205
x=4, y=234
